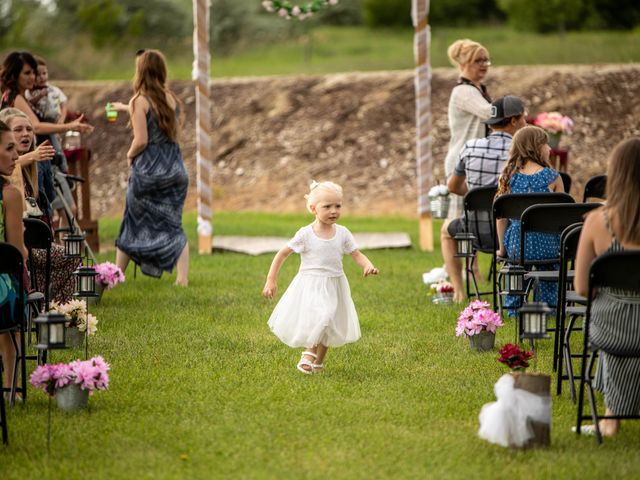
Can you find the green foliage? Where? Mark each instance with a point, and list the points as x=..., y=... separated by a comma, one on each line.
x=387, y=13
x=544, y=15
x=441, y=12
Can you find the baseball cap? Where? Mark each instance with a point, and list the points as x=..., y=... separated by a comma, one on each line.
x=505, y=107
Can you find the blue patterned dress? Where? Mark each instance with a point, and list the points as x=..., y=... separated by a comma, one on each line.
x=151, y=231
x=538, y=245
x=8, y=284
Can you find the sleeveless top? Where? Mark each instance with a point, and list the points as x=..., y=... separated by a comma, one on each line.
x=616, y=246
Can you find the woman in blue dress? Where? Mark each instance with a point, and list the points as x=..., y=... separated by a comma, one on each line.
x=151, y=231
x=527, y=171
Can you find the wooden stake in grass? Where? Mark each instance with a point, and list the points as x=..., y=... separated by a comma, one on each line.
x=424, y=140
x=203, y=122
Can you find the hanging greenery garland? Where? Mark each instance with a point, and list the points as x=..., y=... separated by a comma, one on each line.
x=286, y=10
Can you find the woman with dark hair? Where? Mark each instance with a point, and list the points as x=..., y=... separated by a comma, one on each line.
x=151, y=231
x=18, y=75
x=615, y=318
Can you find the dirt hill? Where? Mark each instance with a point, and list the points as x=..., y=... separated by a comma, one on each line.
x=272, y=135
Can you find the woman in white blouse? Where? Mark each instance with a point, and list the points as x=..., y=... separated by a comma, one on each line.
x=469, y=105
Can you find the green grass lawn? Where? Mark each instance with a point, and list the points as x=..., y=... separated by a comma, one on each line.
x=339, y=49
x=200, y=388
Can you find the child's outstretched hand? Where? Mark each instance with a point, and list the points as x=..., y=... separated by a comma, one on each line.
x=369, y=270
x=269, y=290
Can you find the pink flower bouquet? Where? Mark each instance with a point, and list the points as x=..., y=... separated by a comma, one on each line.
x=476, y=318
x=89, y=375
x=554, y=122
x=109, y=275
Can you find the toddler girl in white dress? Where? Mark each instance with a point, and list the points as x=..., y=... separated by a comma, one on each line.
x=316, y=311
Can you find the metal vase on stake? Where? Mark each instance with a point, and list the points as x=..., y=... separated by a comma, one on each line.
x=51, y=335
x=533, y=325
x=86, y=288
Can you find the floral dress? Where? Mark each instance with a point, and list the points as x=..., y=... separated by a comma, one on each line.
x=538, y=246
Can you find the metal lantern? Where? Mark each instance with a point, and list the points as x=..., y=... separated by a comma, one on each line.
x=85, y=282
x=73, y=245
x=51, y=331
x=513, y=279
x=464, y=244
x=533, y=320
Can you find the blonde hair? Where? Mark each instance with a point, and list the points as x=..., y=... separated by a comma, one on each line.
x=623, y=178
x=316, y=188
x=28, y=173
x=526, y=147
x=463, y=52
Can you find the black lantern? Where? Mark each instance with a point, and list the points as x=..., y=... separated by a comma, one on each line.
x=73, y=245
x=533, y=320
x=513, y=280
x=51, y=331
x=464, y=244
x=85, y=282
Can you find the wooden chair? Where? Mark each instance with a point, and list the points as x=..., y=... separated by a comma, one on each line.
x=616, y=270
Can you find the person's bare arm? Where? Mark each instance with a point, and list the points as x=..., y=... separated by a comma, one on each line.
x=13, y=222
x=557, y=185
x=63, y=112
x=587, y=252
x=501, y=227
x=366, y=265
x=138, y=107
x=43, y=153
x=457, y=184
x=44, y=128
x=271, y=285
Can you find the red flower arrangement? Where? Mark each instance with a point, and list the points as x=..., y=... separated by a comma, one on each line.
x=514, y=357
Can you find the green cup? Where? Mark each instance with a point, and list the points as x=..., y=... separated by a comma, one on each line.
x=112, y=114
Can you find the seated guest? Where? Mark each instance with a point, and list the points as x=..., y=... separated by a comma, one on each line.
x=615, y=315
x=480, y=164
x=62, y=281
x=527, y=171
x=10, y=232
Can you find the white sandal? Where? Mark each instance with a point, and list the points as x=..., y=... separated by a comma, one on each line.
x=318, y=368
x=306, y=363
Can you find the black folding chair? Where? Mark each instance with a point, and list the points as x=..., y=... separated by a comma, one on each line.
x=595, y=188
x=478, y=207
x=567, y=298
x=619, y=271
x=37, y=236
x=12, y=263
x=511, y=206
x=566, y=181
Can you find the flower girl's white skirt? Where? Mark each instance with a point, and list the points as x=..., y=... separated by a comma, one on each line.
x=316, y=310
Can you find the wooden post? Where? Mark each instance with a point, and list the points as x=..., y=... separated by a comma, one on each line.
x=201, y=67
x=424, y=140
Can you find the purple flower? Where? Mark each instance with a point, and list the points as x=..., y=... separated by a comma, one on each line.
x=89, y=374
x=475, y=318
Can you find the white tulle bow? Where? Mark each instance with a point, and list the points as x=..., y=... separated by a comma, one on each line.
x=504, y=422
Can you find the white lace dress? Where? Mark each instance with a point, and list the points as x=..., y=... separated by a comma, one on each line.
x=317, y=307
